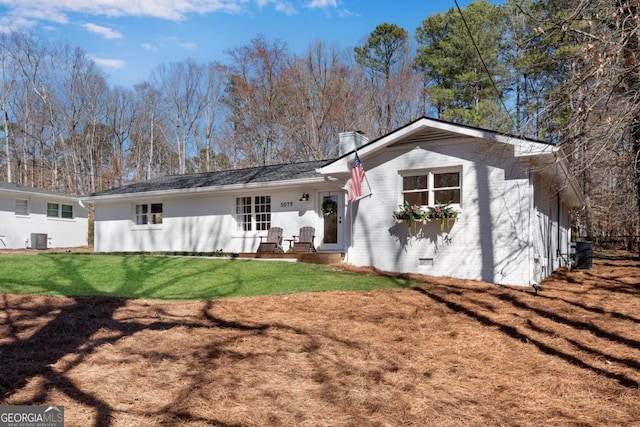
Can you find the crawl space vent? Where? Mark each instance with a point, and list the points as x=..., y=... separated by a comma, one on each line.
x=425, y=262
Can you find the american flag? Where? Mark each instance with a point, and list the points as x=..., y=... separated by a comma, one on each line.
x=357, y=176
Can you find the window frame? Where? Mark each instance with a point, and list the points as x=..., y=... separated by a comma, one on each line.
x=26, y=207
x=66, y=213
x=262, y=212
x=430, y=190
x=253, y=213
x=147, y=214
x=60, y=211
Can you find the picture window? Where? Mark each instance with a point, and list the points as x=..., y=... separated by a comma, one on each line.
x=253, y=213
x=432, y=187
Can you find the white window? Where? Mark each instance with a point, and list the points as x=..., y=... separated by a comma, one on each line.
x=22, y=207
x=263, y=212
x=148, y=213
x=243, y=213
x=58, y=210
x=432, y=187
x=66, y=211
x=253, y=213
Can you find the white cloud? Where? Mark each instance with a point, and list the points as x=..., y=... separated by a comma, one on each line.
x=323, y=4
x=286, y=8
x=167, y=43
x=44, y=13
x=149, y=47
x=105, y=32
x=164, y=9
x=114, y=64
x=281, y=6
x=26, y=13
x=188, y=45
x=19, y=17
x=9, y=24
x=345, y=13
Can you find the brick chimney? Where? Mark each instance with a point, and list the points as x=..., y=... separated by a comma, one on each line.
x=350, y=141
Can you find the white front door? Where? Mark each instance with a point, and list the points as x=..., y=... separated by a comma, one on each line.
x=331, y=221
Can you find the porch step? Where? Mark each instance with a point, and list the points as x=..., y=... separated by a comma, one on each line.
x=310, y=258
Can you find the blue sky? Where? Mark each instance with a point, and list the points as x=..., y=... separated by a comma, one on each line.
x=130, y=38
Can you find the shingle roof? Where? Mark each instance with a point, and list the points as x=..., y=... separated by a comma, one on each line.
x=17, y=187
x=260, y=174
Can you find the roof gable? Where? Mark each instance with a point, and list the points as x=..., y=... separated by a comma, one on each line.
x=425, y=129
x=436, y=130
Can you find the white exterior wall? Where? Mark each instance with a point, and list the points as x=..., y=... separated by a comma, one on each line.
x=489, y=241
x=202, y=222
x=504, y=234
x=551, y=231
x=61, y=232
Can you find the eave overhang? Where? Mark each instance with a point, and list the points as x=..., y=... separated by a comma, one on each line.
x=219, y=189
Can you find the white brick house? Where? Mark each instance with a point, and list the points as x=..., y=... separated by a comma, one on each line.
x=513, y=196
x=30, y=218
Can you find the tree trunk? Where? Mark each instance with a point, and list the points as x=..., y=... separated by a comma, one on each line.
x=8, y=151
x=630, y=52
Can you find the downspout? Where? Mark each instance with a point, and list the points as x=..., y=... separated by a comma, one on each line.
x=548, y=241
x=90, y=216
x=558, y=251
x=531, y=195
x=88, y=209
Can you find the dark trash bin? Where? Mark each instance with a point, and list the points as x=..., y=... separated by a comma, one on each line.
x=584, y=255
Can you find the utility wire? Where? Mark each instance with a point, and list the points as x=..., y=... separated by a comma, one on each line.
x=484, y=64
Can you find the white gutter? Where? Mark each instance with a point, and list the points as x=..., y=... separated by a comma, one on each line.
x=531, y=204
x=574, y=185
x=81, y=203
x=38, y=192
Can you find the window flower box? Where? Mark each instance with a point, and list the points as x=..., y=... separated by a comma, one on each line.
x=410, y=214
x=445, y=213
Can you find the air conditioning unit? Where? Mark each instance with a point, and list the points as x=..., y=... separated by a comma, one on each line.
x=38, y=241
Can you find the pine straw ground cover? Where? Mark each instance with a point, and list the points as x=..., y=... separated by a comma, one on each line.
x=446, y=353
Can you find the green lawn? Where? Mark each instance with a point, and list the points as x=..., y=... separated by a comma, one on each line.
x=169, y=278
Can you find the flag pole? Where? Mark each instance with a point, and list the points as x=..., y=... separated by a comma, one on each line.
x=355, y=189
x=368, y=185
x=364, y=175
x=350, y=229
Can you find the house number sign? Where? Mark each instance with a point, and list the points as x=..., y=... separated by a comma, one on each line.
x=286, y=204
